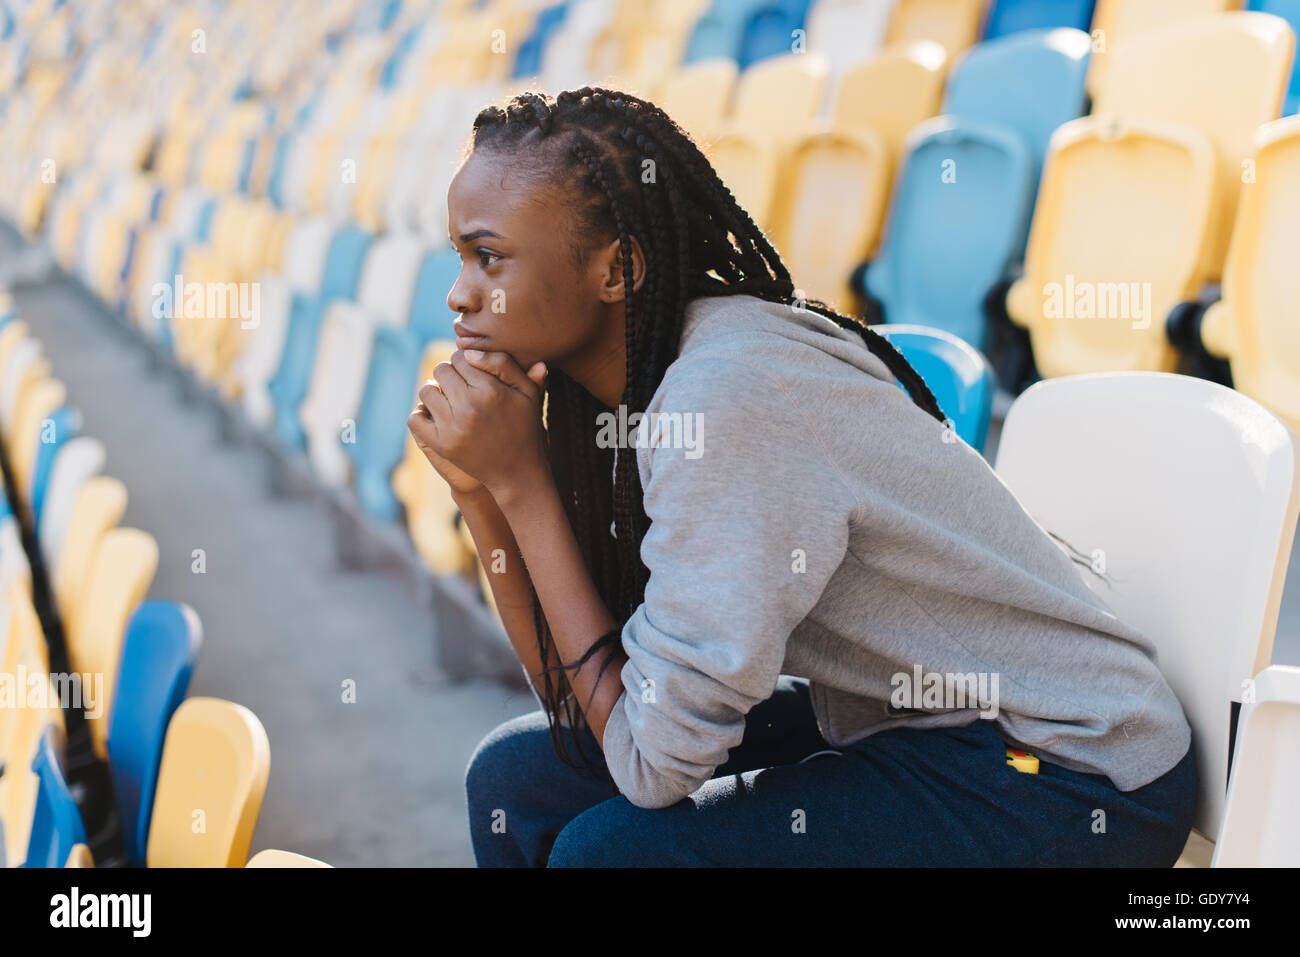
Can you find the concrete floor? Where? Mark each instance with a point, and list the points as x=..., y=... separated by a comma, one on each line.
x=375, y=783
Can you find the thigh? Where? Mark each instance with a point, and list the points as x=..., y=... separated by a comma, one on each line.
x=781, y=730
x=900, y=798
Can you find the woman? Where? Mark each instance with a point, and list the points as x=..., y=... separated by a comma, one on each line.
x=790, y=619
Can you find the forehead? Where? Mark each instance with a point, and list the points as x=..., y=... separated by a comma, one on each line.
x=490, y=191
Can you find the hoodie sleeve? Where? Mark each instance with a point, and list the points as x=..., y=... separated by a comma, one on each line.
x=749, y=520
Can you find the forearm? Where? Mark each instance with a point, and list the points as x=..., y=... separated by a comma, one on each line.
x=508, y=579
x=574, y=609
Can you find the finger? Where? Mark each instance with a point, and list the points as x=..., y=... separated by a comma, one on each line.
x=422, y=428
x=453, y=386
x=474, y=377
x=435, y=401
x=504, y=367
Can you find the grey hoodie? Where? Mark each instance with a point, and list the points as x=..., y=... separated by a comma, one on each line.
x=809, y=519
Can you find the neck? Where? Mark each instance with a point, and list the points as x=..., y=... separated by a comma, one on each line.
x=601, y=369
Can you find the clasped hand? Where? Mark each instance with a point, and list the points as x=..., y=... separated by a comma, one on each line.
x=479, y=422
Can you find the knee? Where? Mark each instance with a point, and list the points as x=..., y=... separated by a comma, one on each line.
x=503, y=756
x=594, y=838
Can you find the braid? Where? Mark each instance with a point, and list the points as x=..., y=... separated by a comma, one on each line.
x=697, y=241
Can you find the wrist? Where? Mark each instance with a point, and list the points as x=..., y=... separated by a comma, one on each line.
x=523, y=486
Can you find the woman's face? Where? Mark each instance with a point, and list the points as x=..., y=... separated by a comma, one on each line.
x=519, y=290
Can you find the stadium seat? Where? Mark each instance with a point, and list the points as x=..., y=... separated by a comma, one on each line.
x=720, y=31
x=389, y=275
x=61, y=427
x=14, y=565
x=162, y=645
x=1258, y=827
x=273, y=858
x=848, y=32
x=78, y=460
x=955, y=226
x=958, y=375
x=954, y=23
x=749, y=165
x=35, y=409
x=23, y=368
x=1223, y=75
x=1288, y=10
x=1031, y=82
x=1012, y=16
x=697, y=97
x=328, y=414
x=1114, y=21
x=80, y=856
x=1253, y=326
x=1117, y=236
x=56, y=822
x=98, y=507
x=1082, y=457
x=893, y=93
x=831, y=212
x=215, y=763
x=121, y=571
x=430, y=317
x=772, y=30
x=528, y=55
x=777, y=100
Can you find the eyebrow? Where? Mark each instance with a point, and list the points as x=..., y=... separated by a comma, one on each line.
x=479, y=234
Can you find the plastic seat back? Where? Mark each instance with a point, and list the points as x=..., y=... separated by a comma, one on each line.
x=777, y=100
x=720, y=30
x=121, y=572
x=388, y=277
x=1288, y=10
x=1116, y=242
x=1258, y=828
x=770, y=31
x=848, y=32
x=955, y=226
x=1031, y=82
x=55, y=432
x=954, y=23
x=1083, y=458
x=1254, y=325
x=56, y=824
x=328, y=413
x=430, y=317
x=274, y=858
x=162, y=645
x=749, y=166
x=36, y=408
x=831, y=215
x=1114, y=21
x=959, y=376
x=698, y=96
x=1013, y=16
x=893, y=93
x=215, y=763
x=99, y=506
x=78, y=460
x=1223, y=75
x=390, y=393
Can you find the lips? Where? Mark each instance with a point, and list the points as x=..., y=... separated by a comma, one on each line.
x=467, y=338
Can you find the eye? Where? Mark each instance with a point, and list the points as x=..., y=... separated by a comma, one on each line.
x=483, y=252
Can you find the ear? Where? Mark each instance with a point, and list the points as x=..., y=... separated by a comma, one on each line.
x=611, y=270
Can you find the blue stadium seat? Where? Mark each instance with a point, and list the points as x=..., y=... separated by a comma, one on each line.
x=720, y=30
x=1012, y=16
x=960, y=377
x=66, y=423
x=770, y=30
x=430, y=318
x=528, y=61
x=1288, y=10
x=339, y=279
x=957, y=223
x=1030, y=82
x=158, y=656
x=56, y=823
x=381, y=419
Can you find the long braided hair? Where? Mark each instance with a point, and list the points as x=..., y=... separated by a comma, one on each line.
x=631, y=171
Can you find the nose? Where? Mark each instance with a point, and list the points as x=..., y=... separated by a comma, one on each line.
x=461, y=297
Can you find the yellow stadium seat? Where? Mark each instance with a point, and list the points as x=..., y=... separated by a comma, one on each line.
x=1117, y=234
x=1223, y=75
x=778, y=98
x=273, y=858
x=80, y=856
x=121, y=572
x=659, y=42
x=430, y=510
x=697, y=97
x=831, y=216
x=1254, y=326
x=1116, y=20
x=749, y=166
x=211, y=781
x=35, y=406
x=24, y=644
x=893, y=93
x=954, y=23
x=100, y=504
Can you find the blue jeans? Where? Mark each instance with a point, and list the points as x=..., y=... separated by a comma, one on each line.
x=900, y=798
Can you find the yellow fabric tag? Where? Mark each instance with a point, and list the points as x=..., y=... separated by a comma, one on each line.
x=1022, y=761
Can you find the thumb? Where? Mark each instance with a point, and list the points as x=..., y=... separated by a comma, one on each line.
x=537, y=372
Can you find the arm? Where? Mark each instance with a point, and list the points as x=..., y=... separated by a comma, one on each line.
x=510, y=586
